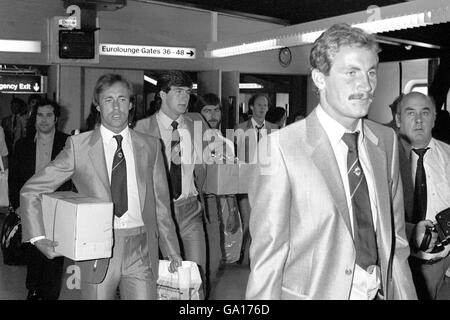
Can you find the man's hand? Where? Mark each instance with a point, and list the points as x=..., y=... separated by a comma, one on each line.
x=175, y=262
x=419, y=233
x=47, y=247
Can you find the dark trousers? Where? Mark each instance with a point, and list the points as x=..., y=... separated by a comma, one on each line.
x=43, y=275
x=429, y=279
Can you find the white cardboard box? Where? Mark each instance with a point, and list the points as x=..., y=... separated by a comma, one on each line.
x=82, y=226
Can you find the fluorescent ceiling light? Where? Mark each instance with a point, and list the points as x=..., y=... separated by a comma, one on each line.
x=151, y=80
x=410, y=14
x=20, y=46
x=195, y=86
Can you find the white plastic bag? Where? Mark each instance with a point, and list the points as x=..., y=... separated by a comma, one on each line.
x=183, y=284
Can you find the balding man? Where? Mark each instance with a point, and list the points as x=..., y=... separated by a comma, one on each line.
x=425, y=171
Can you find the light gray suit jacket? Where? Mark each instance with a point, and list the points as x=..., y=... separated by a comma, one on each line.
x=83, y=161
x=302, y=245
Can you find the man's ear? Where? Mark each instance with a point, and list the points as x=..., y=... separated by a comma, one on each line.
x=318, y=78
x=97, y=108
x=397, y=120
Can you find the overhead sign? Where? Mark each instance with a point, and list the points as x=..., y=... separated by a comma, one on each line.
x=18, y=83
x=146, y=51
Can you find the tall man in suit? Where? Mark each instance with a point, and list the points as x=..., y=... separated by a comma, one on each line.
x=247, y=136
x=327, y=216
x=136, y=184
x=15, y=124
x=31, y=154
x=425, y=172
x=182, y=138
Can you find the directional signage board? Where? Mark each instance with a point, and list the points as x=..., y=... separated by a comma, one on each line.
x=146, y=51
x=22, y=83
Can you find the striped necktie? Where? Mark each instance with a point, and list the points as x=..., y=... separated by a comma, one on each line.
x=364, y=232
x=175, y=165
x=119, y=193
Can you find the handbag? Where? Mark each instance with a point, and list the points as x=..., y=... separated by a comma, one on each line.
x=4, y=197
x=183, y=284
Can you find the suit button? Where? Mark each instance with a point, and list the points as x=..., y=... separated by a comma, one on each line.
x=348, y=271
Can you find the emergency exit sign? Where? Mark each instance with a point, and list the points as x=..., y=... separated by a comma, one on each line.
x=106, y=49
x=17, y=83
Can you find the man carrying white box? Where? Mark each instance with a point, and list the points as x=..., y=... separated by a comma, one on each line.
x=115, y=164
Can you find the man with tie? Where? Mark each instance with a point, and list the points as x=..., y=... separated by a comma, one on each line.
x=425, y=171
x=247, y=136
x=117, y=164
x=182, y=138
x=15, y=124
x=327, y=216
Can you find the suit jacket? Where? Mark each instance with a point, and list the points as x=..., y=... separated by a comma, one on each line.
x=23, y=164
x=246, y=144
x=19, y=132
x=408, y=184
x=83, y=160
x=302, y=245
x=150, y=126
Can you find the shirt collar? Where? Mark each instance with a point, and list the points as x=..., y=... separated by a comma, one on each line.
x=166, y=121
x=334, y=129
x=107, y=135
x=431, y=145
x=255, y=124
x=50, y=137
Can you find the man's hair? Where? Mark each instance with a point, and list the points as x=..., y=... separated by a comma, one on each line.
x=209, y=99
x=175, y=78
x=275, y=114
x=106, y=81
x=33, y=96
x=394, y=104
x=404, y=97
x=337, y=36
x=251, y=101
x=22, y=105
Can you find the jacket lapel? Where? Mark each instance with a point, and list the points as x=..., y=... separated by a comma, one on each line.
x=323, y=157
x=141, y=163
x=97, y=157
x=377, y=157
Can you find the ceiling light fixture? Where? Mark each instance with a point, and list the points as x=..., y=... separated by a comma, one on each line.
x=411, y=14
x=20, y=46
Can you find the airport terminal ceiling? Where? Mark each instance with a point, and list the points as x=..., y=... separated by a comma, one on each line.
x=290, y=12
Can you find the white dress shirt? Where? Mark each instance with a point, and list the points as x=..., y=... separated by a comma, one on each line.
x=362, y=280
x=188, y=155
x=436, y=164
x=133, y=216
x=44, y=148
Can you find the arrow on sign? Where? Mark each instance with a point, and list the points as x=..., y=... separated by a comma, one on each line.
x=36, y=87
x=191, y=53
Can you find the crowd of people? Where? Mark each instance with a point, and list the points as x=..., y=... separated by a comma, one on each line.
x=338, y=206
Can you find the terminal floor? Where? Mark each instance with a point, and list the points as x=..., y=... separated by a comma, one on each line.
x=230, y=285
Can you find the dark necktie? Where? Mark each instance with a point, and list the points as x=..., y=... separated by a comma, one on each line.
x=258, y=132
x=364, y=232
x=420, y=188
x=119, y=192
x=14, y=122
x=175, y=165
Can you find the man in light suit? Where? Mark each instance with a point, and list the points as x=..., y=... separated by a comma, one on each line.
x=324, y=227
x=186, y=186
x=142, y=215
x=247, y=135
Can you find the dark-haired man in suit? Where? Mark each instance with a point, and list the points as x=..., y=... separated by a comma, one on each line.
x=184, y=161
x=41, y=145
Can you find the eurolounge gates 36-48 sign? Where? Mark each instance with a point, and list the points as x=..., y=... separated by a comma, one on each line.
x=22, y=83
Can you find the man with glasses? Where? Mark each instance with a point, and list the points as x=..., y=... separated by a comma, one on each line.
x=184, y=152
